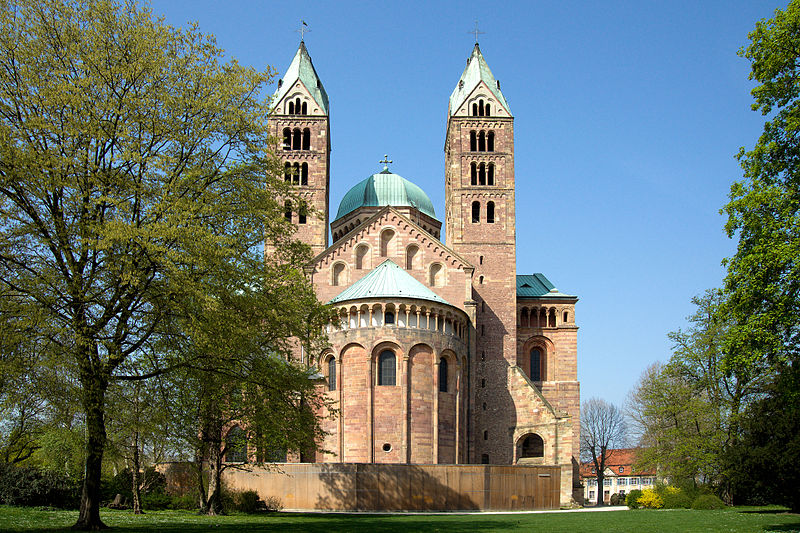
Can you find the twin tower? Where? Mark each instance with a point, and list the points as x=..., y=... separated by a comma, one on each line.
x=439, y=351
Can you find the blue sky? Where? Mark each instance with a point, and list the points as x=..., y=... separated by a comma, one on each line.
x=627, y=119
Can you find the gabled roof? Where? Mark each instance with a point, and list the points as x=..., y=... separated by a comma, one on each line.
x=302, y=68
x=477, y=70
x=624, y=458
x=385, y=188
x=537, y=286
x=388, y=280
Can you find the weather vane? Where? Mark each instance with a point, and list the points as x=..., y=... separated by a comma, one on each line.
x=304, y=29
x=476, y=31
x=385, y=161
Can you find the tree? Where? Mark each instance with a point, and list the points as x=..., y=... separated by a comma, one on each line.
x=135, y=176
x=687, y=410
x=603, y=428
x=762, y=285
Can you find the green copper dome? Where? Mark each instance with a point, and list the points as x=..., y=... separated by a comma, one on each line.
x=385, y=188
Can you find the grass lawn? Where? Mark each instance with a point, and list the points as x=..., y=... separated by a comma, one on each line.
x=745, y=519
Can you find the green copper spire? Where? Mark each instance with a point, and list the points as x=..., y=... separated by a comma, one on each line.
x=477, y=71
x=301, y=68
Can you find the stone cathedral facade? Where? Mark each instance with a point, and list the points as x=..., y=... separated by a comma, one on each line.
x=439, y=351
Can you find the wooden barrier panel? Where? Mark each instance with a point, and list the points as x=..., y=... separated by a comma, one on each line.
x=401, y=487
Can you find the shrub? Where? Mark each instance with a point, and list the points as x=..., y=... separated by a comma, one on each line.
x=650, y=500
x=246, y=501
x=188, y=502
x=674, y=498
x=273, y=503
x=31, y=486
x=707, y=501
x=615, y=499
x=632, y=499
x=156, y=501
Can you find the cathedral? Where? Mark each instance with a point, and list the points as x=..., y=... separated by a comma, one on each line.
x=440, y=353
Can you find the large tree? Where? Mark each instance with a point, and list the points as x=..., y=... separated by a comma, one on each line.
x=603, y=429
x=763, y=280
x=136, y=189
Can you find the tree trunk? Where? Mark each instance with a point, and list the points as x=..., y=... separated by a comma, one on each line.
x=214, y=500
x=201, y=485
x=94, y=389
x=136, y=489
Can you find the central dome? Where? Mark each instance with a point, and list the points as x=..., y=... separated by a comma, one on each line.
x=385, y=188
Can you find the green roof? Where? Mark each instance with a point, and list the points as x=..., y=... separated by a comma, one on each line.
x=477, y=70
x=385, y=188
x=388, y=280
x=302, y=68
x=537, y=286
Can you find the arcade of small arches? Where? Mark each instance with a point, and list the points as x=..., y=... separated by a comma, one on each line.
x=339, y=270
x=476, y=212
x=302, y=212
x=481, y=173
x=479, y=109
x=296, y=107
x=542, y=317
x=387, y=371
x=411, y=316
x=481, y=141
x=344, y=230
x=296, y=174
x=296, y=139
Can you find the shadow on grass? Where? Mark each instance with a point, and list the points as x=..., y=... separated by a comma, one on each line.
x=783, y=527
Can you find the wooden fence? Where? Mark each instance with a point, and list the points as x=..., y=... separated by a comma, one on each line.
x=402, y=487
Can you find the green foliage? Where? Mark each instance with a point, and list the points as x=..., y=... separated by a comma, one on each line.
x=273, y=503
x=247, y=501
x=156, y=501
x=708, y=501
x=32, y=486
x=673, y=497
x=650, y=500
x=614, y=499
x=188, y=502
x=151, y=480
x=632, y=499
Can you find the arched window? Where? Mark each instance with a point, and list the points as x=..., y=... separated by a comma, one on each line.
x=482, y=174
x=287, y=172
x=480, y=108
x=523, y=321
x=332, y=373
x=386, y=368
x=474, y=110
x=287, y=210
x=532, y=446
x=566, y=317
x=297, y=106
x=476, y=212
x=386, y=239
x=473, y=141
x=473, y=173
x=304, y=174
x=442, y=375
x=482, y=141
x=490, y=148
x=411, y=254
x=485, y=459
x=388, y=318
x=338, y=274
x=296, y=138
x=552, y=318
x=296, y=174
x=287, y=139
x=361, y=256
x=488, y=114
x=543, y=318
x=490, y=212
x=536, y=365
x=291, y=108
x=236, y=446
x=490, y=175
x=306, y=139
x=305, y=109
x=435, y=275
x=302, y=213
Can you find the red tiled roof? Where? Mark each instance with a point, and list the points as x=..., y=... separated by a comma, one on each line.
x=623, y=458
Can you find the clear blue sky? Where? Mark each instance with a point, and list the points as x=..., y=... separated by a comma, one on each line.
x=627, y=119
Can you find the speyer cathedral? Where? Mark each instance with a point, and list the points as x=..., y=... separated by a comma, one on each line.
x=439, y=351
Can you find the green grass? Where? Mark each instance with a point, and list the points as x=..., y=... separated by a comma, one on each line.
x=640, y=521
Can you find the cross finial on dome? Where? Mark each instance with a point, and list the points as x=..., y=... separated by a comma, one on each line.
x=385, y=161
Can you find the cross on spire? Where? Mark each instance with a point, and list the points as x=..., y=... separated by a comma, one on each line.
x=385, y=161
x=303, y=29
x=476, y=31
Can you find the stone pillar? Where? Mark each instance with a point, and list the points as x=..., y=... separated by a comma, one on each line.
x=406, y=403
x=370, y=407
x=435, y=408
